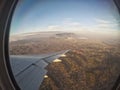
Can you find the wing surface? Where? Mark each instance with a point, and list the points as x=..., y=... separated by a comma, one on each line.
x=29, y=71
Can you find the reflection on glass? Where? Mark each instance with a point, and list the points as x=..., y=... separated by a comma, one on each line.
x=87, y=28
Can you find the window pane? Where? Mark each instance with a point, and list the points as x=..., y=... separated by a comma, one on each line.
x=89, y=29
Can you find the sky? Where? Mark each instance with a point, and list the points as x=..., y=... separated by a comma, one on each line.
x=65, y=15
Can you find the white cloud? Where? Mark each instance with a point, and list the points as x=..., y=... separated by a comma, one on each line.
x=71, y=25
x=102, y=21
x=53, y=27
x=69, y=22
x=105, y=24
x=66, y=25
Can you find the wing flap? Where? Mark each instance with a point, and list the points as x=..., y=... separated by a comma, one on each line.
x=31, y=78
x=42, y=64
x=51, y=58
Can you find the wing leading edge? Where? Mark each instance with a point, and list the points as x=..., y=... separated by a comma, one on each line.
x=29, y=71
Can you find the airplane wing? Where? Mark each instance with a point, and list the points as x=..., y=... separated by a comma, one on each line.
x=29, y=71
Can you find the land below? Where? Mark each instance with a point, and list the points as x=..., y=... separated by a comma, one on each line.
x=91, y=63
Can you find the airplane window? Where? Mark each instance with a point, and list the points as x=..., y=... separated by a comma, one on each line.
x=65, y=45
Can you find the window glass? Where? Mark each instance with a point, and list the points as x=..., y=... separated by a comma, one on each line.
x=89, y=29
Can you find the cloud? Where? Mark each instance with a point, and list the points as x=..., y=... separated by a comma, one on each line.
x=69, y=22
x=106, y=24
x=66, y=25
x=102, y=21
x=72, y=24
x=53, y=27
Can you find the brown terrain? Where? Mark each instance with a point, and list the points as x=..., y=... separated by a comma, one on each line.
x=91, y=64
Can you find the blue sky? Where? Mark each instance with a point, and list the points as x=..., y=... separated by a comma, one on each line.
x=66, y=15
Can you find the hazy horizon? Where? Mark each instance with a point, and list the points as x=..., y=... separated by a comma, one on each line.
x=73, y=16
